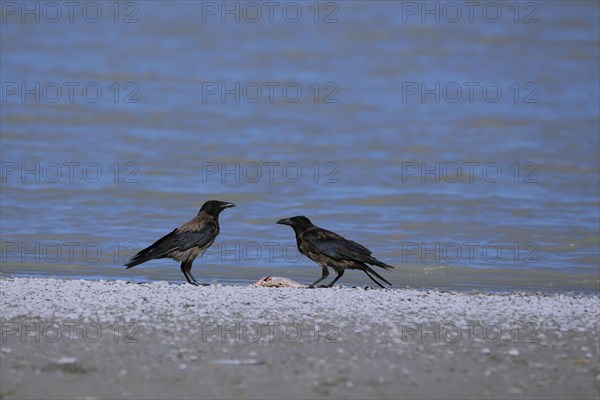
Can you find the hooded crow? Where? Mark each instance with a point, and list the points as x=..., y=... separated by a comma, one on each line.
x=186, y=242
x=328, y=249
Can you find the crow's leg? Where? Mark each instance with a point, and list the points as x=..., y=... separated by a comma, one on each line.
x=340, y=273
x=188, y=270
x=323, y=276
x=186, y=267
x=195, y=282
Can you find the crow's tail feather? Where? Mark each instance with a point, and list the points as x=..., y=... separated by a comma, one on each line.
x=368, y=270
x=138, y=259
x=383, y=265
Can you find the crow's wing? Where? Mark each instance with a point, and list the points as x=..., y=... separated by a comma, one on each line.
x=338, y=247
x=177, y=240
x=343, y=249
x=182, y=241
x=335, y=246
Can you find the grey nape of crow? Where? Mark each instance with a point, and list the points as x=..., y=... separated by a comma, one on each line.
x=328, y=249
x=186, y=242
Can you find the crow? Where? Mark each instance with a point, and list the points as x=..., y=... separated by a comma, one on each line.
x=328, y=249
x=186, y=242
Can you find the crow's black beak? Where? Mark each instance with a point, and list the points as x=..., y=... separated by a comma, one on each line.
x=285, y=221
x=227, y=205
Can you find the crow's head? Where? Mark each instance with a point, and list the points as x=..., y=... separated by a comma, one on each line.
x=214, y=207
x=299, y=222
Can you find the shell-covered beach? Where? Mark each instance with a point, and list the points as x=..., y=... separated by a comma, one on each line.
x=113, y=339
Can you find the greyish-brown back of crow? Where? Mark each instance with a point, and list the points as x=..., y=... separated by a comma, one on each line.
x=328, y=249
x=186, y=242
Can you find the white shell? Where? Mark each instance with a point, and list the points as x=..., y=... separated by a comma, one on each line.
x=276, y=281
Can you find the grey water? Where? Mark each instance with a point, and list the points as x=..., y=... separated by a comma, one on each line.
x=460, y=145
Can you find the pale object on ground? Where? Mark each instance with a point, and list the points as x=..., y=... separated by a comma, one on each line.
x=276, y=281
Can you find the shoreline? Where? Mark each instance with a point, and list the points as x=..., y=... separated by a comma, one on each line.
x=452, y=278
x=112, y=339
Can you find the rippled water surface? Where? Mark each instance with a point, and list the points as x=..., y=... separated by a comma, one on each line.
x=464, y=153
